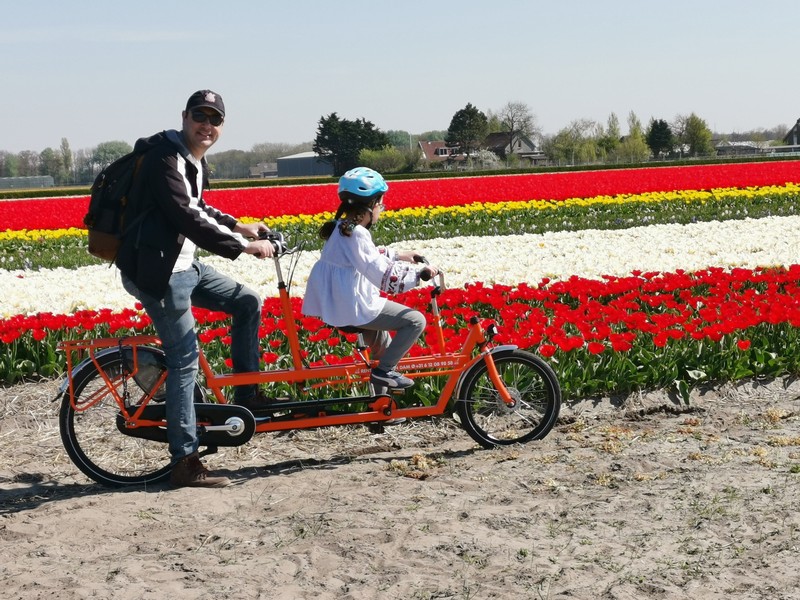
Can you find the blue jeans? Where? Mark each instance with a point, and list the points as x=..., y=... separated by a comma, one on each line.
x=172, y=318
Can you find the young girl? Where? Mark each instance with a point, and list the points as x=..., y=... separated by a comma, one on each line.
x=344, y=287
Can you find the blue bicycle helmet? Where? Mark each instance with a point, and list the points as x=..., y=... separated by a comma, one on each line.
x=361, y=186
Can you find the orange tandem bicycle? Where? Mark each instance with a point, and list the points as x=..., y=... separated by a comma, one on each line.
x=112, y=414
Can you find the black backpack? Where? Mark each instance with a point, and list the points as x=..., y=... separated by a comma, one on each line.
x=106, y=219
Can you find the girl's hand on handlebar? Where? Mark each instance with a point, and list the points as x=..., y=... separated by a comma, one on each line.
x=409, y=256
x=428, y=272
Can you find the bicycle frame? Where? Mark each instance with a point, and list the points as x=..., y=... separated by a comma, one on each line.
x=306, y=413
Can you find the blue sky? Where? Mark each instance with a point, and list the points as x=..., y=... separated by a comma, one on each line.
x=72, y=70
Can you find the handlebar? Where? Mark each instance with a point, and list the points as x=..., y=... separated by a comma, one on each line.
x=281, y=247
x=278, y=242
x=425, y=274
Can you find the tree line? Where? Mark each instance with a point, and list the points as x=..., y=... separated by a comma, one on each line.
x=347, y=143
x=80, y=167
x=350, y=143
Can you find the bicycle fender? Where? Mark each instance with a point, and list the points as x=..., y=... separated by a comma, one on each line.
x=88, y=363
x=468, y=367
x=78, y=370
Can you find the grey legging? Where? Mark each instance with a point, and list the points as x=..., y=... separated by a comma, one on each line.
x=407, y=323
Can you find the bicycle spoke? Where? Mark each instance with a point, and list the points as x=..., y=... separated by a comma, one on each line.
x=531, y=415
x=91, y=435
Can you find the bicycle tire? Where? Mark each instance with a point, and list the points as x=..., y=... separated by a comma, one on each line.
x=92, y=438
x=532, y=383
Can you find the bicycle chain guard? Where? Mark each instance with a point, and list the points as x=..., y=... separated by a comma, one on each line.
x=218, y=424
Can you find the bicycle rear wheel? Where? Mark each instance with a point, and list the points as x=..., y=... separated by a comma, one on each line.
x=532, y=384
x=91, y=435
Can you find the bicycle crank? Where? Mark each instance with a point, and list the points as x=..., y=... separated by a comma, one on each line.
x=217, y=424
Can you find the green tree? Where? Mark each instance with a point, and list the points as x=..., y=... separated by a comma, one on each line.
x=340, y=141
x=697, y=136
x=9, y=164
x=66, y=161
x=385, y=160
x=83, y=171
x=633, y=148
x=231, y=164
x=27, y=163
x=402, y=140
x=432, y=136
x=50, y=164
x=107, y=152
x=467, y=128
x=572, y=145
x=609, y=138
x=493, y=123
x=659, y=137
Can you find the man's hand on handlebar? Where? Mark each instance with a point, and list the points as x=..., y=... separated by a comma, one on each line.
x=260, y=248
x=251, y=231
x=269, y=243
x=258, y=245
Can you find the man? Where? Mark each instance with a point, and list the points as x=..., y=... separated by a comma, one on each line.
x=159, y=267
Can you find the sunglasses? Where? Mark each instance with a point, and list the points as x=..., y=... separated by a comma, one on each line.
x=198, y=116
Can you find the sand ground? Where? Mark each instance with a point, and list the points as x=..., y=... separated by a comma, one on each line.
x=639, y=497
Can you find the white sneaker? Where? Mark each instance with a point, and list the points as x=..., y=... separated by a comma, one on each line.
x=390, y=379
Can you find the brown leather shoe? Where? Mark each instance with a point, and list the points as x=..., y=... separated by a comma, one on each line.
x=191, y=472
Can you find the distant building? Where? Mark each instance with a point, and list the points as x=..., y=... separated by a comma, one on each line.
x=434, y=152
x=737, y=148
x=36, y=181
x=524, y=148
x=264, y=170
x=304, y=164
x=439, y=151
x=793, y=137
x=791, y=142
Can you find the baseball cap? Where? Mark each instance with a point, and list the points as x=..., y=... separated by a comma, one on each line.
x=206, y=98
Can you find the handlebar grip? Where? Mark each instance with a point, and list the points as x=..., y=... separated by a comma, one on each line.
x=418, y=258
x=277, y=240
x=425, y=274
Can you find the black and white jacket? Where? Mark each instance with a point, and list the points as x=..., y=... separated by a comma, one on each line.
x=168, y=189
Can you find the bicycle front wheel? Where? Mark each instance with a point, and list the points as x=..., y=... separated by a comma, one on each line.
x=91, y=435
x=534, y=388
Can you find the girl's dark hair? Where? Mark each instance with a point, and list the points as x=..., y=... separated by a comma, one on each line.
x=349, y=216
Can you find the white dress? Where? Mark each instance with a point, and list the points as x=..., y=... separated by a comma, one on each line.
x=345, y=284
